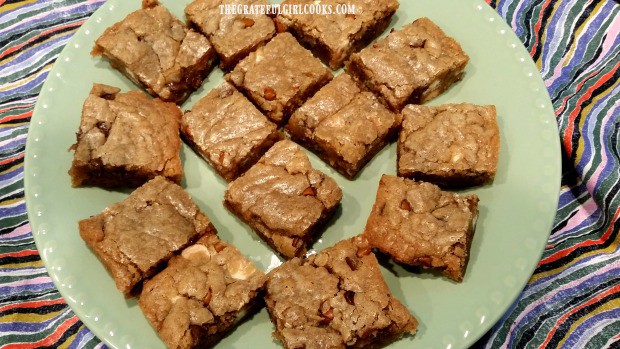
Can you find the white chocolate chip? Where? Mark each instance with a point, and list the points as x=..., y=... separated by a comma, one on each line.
x=195, y=251
x=259, y=55
x=240, y=269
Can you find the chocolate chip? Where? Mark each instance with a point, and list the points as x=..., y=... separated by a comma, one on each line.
x=297, y=242
x=269, y=94
x=351, y=263
x=350, y=15
x=103, y=127
x=109, y=96
x=349, y=296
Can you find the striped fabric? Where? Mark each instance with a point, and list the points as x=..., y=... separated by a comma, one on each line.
x=572, y=300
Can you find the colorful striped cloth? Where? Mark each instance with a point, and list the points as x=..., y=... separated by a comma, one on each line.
x=573, y=298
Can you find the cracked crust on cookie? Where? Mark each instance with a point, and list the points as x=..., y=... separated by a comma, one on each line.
x=126, y=139
x=202, y=294
x=411, y=65
x=284, y=199
x=416, y=223
x=228, y=131
x=135, y=237
x=336, y=298
x=465, y=153
x=157, y=51
x=343, y=125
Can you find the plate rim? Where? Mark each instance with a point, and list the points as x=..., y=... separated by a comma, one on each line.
x=35, y=222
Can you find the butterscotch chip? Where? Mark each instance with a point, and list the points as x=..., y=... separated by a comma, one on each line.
x=269, y=94
x=202, y=294
x=228, y=131
x=411, y=65
x=434, y=231
x=135, y=237
x=233, y=35
x=272, y=197
x=158, y=52
x=247, y=22
x=279, y=77
x=321, y=302
x=126, y=139
x=343, y=125
x=333, y=37
x=451, y=145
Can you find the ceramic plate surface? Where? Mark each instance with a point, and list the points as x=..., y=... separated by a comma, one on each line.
x=516, y=211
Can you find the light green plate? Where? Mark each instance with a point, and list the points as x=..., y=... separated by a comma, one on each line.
x=516, y=211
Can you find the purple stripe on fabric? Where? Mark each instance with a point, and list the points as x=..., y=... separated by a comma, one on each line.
x=581, y=47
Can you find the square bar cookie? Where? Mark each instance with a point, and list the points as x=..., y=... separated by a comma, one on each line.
x=279, y=77
x=202, y=294
x=284, y=199
x=411, y=65
x=343, y=125
x=228, y=131
x=452, y=145
x=125, y=139
x=157, y=51
x=233, y=35
x=333, y=37
x=336, y=298
x=137, y=236
x=416, y=223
